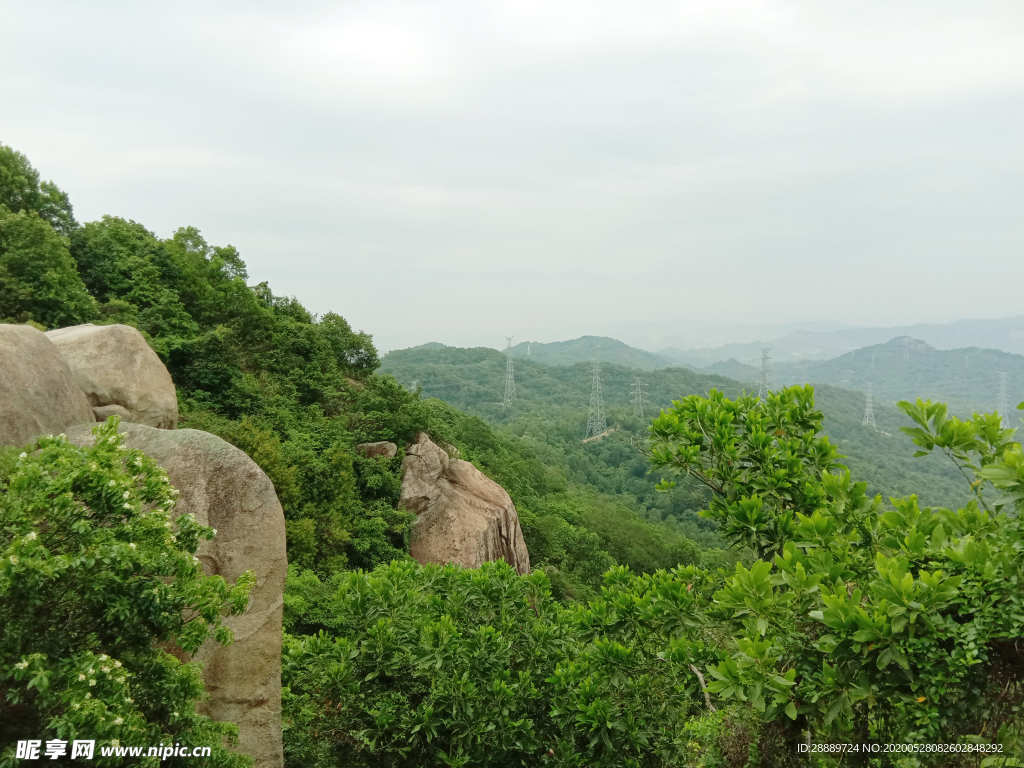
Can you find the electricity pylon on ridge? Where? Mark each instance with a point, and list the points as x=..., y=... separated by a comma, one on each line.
x=596, y=422
x=1003, y=405
x=869, y=410
x=510, y=376
x=767, y=375
x=638, y=397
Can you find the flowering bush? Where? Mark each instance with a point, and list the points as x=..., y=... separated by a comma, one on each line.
x=98, y=584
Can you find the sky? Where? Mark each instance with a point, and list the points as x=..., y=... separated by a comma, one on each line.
x=466, y=171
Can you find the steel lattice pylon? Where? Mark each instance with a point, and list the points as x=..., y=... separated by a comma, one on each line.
x=510, y=376
x=767, y=375
x=869, y=409
x=638, y=397
x=596, y=423
x=1003, y=405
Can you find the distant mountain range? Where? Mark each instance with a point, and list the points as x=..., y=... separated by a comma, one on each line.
x=969, y=379
x=1006, y=334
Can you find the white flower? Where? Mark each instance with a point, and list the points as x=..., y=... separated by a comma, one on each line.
x=128, y=699
x=132, y=545
x=138, y=462
x=175, y=714
x=23, y=456
x=81, y=677
x=105, y=670
x=31, y=536
x=127, y=494
x=103, y=657
x=117, y=664
x=118, y=720
x=115, y=743
x=94, y=465
x=77, y=705
x=121, y=448
x=127, y=506
x=112, y=482
x=175, y=491
x=22, y=665
x=88, y=695
x=214, y=531
x=92, y=682
x=13, y=559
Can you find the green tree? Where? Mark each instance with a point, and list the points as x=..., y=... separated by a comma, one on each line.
x=38, y=279
x=21, y=190
x=97, y=581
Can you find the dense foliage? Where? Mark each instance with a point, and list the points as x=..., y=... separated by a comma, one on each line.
x=854, y=622
x=97, y=580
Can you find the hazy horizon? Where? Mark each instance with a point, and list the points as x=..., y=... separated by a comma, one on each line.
x=460, y=172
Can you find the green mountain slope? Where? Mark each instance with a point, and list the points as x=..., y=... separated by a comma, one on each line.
x=550, y=415
x=582, y=350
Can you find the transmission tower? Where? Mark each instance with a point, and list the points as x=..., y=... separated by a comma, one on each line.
x=638, y=397
x=869, y=410
x=767, y=376
x=510, y=377
x=596, y=423
x=1003, y=406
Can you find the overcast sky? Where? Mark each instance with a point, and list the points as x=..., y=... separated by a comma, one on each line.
x=462, y=171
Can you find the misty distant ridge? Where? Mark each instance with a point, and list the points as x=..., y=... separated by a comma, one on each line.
x=1005, y=334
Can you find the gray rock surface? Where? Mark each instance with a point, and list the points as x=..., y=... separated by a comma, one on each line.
x=38, y=394
x=462, y=516
x=383, y=448
x=226, y=490
x=113, y=365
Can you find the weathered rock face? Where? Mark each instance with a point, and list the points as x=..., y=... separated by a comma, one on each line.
x=225, y=489
x=114, y=366
x=38, y=394
x=462, y=516
x=383, y=448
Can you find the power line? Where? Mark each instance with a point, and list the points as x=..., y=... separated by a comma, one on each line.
x=596, y=422
x=767, y=376
x=510, y=377
x=638, y=397
x=869, y=410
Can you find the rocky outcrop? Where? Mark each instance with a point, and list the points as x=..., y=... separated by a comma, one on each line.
x=225, y=489
x=114, y=366
x=462, y=516
x=38, y=394
x=383, y=448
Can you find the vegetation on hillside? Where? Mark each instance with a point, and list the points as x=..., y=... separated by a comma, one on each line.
x=550, y=415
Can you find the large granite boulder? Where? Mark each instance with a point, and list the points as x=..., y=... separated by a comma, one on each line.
x=226, y=490
x=119, y=373
x=462, y=516
x=38, y=394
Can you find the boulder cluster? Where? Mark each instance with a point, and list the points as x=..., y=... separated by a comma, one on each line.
x=65, y=381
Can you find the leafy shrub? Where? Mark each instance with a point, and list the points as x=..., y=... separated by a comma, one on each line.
x=97, y=582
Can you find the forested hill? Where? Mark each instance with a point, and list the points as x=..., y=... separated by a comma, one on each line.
x=906, y=368
x=583, y=349
x=550, y=414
